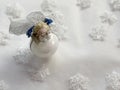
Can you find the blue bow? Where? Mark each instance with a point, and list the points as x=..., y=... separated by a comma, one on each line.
x=29, y=32
x=48, y=21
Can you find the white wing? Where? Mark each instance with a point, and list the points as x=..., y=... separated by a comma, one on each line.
x=19, y=27
x=51, y=11
x=36, y=17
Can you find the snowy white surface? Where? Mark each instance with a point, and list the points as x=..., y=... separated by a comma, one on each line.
x=76, y=54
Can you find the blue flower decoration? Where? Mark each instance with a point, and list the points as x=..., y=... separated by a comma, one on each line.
x=48, y=21
x=29, y=32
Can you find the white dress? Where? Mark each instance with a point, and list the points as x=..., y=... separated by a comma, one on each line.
x=45, y=49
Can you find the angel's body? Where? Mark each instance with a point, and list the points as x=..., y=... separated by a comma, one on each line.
x=43, y=43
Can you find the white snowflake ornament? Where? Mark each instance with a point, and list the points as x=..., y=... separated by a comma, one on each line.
x=3, y=85
x=113, y=80
x=4, y=39
x=15, y=10
x=115, y=5
x=98, y=33
x=109, y=18
x=22, y=56
x=48, y=6
x=83, y=4
x=78, y=82
x=41, y=74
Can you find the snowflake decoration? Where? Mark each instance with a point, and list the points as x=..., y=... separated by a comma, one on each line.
x=40, y=75
x=3, y=85
x=98, y=33
x=23, y=56
x=113, y=80
x=15, y=10
x=109, y=18
x=78, y=82
x=83, y=4
x=48, y=6
x=4, y=39
x=115, y=5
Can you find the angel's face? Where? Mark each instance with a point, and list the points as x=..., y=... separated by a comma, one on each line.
x=42, y=32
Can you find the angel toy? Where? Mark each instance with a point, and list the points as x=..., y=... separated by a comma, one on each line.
x=37, y=27
x=43, y=43
x=43, y=27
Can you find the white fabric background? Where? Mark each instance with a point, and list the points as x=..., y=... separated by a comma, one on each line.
x=78, y=54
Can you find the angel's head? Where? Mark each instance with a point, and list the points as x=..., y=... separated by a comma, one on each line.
x=40, y=31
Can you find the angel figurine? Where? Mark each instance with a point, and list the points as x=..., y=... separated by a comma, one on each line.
x=43, y=43
x=45, y=28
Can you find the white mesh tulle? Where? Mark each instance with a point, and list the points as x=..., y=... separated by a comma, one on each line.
x=23, y=55
x=4, y=38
